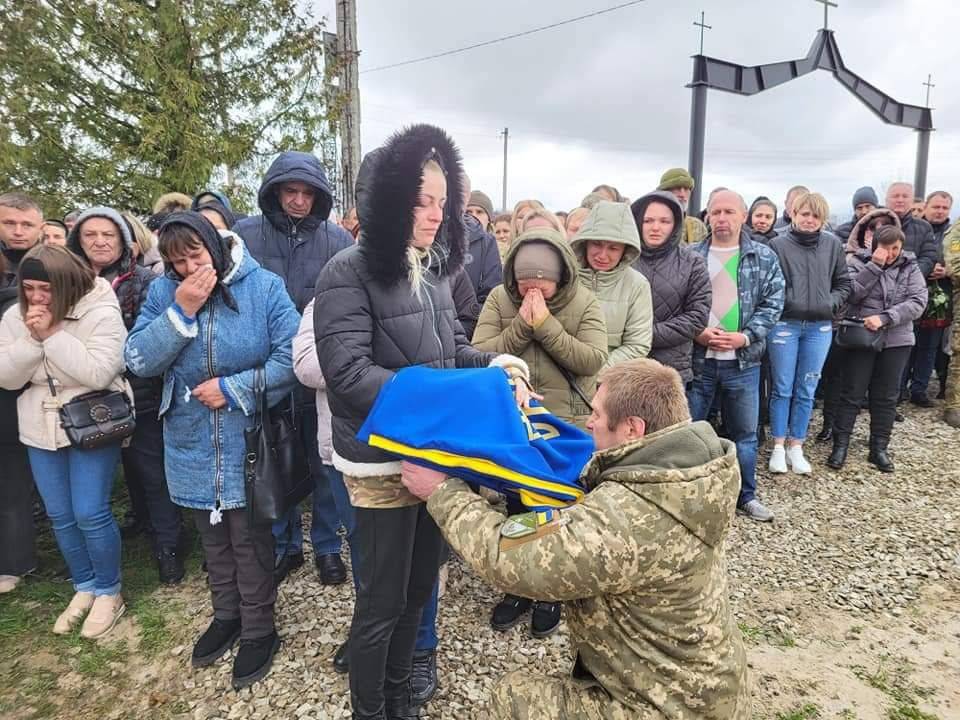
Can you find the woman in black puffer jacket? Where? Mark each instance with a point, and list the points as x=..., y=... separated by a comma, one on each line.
x=679, y=281
x=17, y=553
x=383, y=305
x=106, y=241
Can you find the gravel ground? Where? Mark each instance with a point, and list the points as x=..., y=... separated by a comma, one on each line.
x=849, y=602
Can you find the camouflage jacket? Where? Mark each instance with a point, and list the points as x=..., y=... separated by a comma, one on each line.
x=951, y=254
x=641, y=565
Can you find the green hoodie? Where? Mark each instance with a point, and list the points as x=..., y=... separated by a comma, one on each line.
x=641, y=566
x=623, y=292
x=573, y=337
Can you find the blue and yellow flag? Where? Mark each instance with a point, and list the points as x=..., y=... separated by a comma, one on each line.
x=466, y=423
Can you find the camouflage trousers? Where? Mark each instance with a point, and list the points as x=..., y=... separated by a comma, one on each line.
x=521, y=696
x=953, y=371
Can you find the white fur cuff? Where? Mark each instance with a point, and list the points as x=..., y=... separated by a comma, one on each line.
x=186, y=330
x=512, y=365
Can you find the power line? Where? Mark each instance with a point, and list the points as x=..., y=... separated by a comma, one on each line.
x=504, y=38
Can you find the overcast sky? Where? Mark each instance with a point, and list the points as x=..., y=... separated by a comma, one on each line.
x=604, y=100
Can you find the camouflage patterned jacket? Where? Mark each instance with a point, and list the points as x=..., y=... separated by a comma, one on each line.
x=641, y=565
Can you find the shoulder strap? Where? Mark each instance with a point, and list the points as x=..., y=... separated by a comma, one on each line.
x=260, y=399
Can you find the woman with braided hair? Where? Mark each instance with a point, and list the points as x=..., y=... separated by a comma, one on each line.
x=106, y=241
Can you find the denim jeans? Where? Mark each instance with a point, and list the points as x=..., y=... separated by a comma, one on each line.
x=427, y=631
x=797, y=350
x=739, y=394
x=331, y=502
x=924, y=359
x=75, y=486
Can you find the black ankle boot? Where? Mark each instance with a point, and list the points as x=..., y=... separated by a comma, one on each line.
x=878, y=455
x=826, y=433
x=254, y=659
x=400, y=704
x=839, y=454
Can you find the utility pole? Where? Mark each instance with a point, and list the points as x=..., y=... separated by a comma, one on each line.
x=506, y=137
x=348, y=56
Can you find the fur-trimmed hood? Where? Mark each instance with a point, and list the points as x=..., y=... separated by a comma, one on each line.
x=390, y=196
x=857, y=241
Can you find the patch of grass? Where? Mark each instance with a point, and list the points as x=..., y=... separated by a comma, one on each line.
x=39, y=683
x=909, y=712
x=95, y=660
x=750, y=632
x=757, y=634
x=28, y=684
x=898, y=687
x=847, y=714
x=805, y=712
x=785, y=640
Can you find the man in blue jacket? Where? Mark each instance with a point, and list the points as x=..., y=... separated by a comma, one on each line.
x=293, y=239
x=747, y=298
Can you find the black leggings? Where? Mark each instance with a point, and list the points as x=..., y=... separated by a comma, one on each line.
x=878, y=372
x=399, y=552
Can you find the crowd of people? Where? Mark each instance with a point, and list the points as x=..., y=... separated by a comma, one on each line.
x=678, y=342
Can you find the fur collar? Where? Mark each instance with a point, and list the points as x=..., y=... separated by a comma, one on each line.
x=392, y=196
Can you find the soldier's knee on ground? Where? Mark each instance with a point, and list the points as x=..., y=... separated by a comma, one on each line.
x=520, y=696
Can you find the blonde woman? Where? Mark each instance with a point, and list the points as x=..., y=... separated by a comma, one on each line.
x=575, y=221
x=541, y=218
x=817, y=285
x=144, y=244
x=381, y=306
x=520, y=212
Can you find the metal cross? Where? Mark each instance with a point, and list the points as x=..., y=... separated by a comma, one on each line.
x=827, y=4
x=929, y=86
x=703, y=26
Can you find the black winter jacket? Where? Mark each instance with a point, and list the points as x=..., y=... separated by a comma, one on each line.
x=920, y=241
x=680, y=288
x=296, y=250
x=9, y=427
x=465, y=300
x=843, y=231
x=368, y=321
x=815, y=269
x=482, y=261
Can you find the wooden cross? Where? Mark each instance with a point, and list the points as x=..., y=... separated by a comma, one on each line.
x=929, y=86
x=703, y=26
x=827, y=4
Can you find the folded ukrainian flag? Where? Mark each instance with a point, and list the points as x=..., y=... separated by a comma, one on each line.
x=466, y=423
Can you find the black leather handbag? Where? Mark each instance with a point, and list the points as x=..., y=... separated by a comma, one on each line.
x=276, y=469
x=96, y=419
x=852, y=335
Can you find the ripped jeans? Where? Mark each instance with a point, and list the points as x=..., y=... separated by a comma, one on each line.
x=797, y=351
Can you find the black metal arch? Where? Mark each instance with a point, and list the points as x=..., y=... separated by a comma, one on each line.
x=824, y=54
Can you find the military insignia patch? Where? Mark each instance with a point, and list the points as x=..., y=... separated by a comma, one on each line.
x=518, y=526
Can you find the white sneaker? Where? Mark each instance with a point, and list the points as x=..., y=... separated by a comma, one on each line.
x=8, y=583
x=798, y=463
x=778, y=460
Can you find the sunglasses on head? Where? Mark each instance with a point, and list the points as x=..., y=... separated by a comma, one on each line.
x=874, y=226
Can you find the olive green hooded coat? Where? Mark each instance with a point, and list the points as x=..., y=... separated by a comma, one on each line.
x=572, y=340
x=624, y=293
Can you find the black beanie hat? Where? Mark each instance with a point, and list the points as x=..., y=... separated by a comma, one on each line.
x=213, y=242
